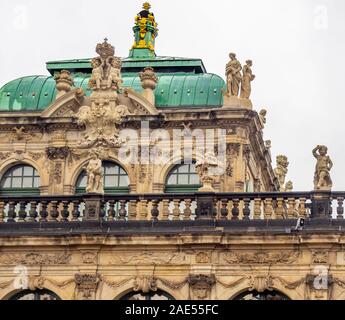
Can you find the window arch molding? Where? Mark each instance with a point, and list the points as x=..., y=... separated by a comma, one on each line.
x=20, y=177
x=39, y=294
x=275, y=293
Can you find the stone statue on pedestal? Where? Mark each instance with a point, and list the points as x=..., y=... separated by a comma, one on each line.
x=94, y=171
x=322, y=179
x=207, y=170
x=281, y=170
x=247, y=78
x=233, y=75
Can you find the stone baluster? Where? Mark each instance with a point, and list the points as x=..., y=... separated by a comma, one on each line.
x=246, y=209
x=54, y=213
x=302, y=211
x=176, y=210
x=340, y=208
x=257, y=209
x=132, y=211
x=143, y=210
x=22, y=211
x=268, y=212
x=33, y=211
x=44, y=211
x=65, y=211
x=111, y=211
x=2, y=211
x=123, y=211
x=235, y=209
x=76, y=212
x=224, y=212
x=280, y=209
x=165, y=209
x=154, y=210
x=291, y=208
x=102, y=210
x=12, y=211
x=187, y=211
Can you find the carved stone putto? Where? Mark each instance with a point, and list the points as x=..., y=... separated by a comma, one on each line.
x=64, y=82
x=281, y=170
x=207, y=171
x=324, y=165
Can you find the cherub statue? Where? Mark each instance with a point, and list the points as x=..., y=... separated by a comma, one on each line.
x=207, y=170
x=97, y=73
x=248, y=77
x=281, y=170
x=233, y=75
x=322, y=179
x=94, y=172
x=289, y=186
x=114, y=74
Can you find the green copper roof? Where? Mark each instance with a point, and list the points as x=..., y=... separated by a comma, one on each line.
x=36, y=93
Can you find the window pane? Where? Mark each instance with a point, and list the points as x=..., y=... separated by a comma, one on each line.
x=184, y=169
x=82, y=182
x=183, y=179
x=194, y=179
x=27, y=182
x=6, y=183
x=124, y=181
x=122, y=172
x=111, y=181
x=28, y=171
x=111, y=169
x=37, y=182
x=172, y=179
x=17, y=172
x=17, y=183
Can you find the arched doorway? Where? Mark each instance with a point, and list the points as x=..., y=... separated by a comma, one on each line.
x=21, y=179
x=265, y=295
x=115, y=178
x=35, y=295
x=153, y=295
x=183, y=178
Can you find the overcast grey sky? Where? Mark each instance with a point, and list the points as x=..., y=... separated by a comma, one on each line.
x=297, y=47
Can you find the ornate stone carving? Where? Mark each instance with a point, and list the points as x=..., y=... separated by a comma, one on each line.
x=261, y=257
x=150, y=258
x=262, y=117
x=4, y=155
x=145, y=284
x=233, y=76
x=20, y=134
x=54, y=153
x=36, y=155
x=104, y=114
x=64, y=83
x=89, y=257
x=319, y=256
x=87, y=285
x=94, y=171
x=289, y=186
x=247, y=79
x=281, y=170
x=232, y=152
x=207, y=169
x=324, y=165
x=260, y=283
x=268, y=144
x=57, y=174
x=257, y=185
x=35, y=259
x=203, y=257
x=201, y=285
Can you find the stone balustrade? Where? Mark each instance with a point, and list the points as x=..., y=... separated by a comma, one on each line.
x=173, y=207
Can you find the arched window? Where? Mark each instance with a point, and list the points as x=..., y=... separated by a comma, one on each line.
x=35, y=295
x=183, y=178
x=266, y=295
x=115, y=179
x=157, y=295
x=20, y=179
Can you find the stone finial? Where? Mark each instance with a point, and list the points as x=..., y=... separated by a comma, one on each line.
x=149, y=82
x=324, y=165
x=94, y=171
x=247, y=78
x=289, y=186
x=64, y=83
x=281, y=170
